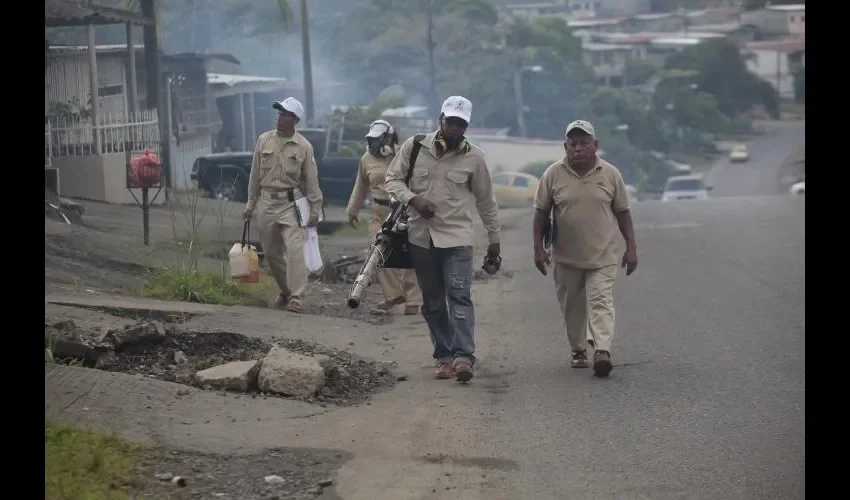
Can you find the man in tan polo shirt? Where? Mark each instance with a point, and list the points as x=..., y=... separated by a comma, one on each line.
x=283, y=163
x=449, y=177
x=588, y=201
x=399, y=286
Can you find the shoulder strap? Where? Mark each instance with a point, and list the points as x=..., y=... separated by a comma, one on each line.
x=417, y=145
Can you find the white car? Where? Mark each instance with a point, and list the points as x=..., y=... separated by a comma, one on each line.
x=798, y=188
x=633, y=193
x=685, y=187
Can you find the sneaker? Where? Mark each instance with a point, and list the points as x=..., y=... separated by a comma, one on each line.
x=580, y=359
x=281, y=301
x=602, y=365
x=463, y=371
x=445, y=371
x=295, y=306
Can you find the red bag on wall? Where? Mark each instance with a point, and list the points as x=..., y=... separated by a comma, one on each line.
x=145, y=170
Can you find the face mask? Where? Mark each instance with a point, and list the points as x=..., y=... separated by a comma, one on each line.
x=452, y=141
x=379, y=149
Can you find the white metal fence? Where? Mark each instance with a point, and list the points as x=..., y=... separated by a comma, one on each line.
x=116, y=133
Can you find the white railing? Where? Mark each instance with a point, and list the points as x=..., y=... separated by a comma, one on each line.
x=71, y=136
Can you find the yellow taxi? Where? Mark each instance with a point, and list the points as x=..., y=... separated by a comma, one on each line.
x=514, y=189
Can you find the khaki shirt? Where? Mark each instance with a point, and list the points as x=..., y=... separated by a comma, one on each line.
x=453, y=182
x=282, y=163
x=585, y=208
x=370, y=178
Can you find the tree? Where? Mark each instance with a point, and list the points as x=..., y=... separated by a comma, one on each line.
x=722, y=71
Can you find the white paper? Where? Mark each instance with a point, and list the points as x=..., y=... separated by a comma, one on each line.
x=303, y=206
x=312, y=256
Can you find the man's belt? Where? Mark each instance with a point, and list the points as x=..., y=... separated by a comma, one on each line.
x=282, y=194
x=381, y=201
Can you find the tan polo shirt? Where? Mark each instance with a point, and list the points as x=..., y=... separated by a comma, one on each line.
x=371, y=175
x=454, y=182
x=282, y=163
x=585, y=207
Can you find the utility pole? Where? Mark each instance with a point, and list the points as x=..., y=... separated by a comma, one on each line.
x=434, y=99
x=308, y=70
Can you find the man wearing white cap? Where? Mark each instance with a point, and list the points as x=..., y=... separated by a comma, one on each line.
x=588, y=202
x=447, y=178
x=399, y=286
x=283, y=163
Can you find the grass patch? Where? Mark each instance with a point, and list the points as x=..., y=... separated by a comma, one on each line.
x=206, y=287
x=85, y=465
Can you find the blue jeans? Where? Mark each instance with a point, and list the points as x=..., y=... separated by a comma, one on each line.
x=445, y=278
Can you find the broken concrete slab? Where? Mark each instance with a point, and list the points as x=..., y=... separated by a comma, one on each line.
x=234, y=376
x=150, y=332
x=291, y=374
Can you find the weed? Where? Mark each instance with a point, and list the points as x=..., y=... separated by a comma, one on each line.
x=80, y=464
x=204, y=287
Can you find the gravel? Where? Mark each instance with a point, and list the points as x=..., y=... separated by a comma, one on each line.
x=287, y=473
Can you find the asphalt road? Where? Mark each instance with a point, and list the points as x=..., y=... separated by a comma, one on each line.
x=761, y=175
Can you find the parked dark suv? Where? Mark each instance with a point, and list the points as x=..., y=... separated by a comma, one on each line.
x=225, y=175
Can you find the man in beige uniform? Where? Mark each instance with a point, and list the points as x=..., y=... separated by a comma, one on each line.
x=588, y=199
x=399, y=286
x=449, y=176
x=283, y=162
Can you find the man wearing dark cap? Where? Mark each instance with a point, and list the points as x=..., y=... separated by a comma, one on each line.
x=588, y=202
x=283, y=163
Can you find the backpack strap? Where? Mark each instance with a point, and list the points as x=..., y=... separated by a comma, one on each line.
x=417, y=145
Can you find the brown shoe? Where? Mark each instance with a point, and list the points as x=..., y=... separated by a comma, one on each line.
x=602, y=365
x=580, y=359
x=411, y=310
x=389, y=304
x=445, y=371
x=463, y=371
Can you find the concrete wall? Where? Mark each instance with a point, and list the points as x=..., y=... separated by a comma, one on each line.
x=511, y=154
x=98, y=178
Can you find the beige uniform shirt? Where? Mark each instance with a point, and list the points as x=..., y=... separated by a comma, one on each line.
x=585, y=208
x=370, y=178
x=282, y=163
x=453, y=182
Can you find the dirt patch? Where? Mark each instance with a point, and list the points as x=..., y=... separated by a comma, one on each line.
x=290, y=473
x=171, y=353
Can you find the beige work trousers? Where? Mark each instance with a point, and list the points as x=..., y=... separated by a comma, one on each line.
x=283, y=243
x=395, y=283
x=586, y=297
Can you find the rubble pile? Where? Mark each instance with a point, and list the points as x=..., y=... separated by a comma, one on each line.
x=221, y=361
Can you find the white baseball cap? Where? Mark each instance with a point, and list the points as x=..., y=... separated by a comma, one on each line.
x=380, y=127
x=582, y=125
x=459, y=107
x=290, y=104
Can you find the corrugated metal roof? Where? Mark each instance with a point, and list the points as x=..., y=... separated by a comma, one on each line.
x=76, y=13
x=594, y=47
x=231, y=80
x=785, y=46
x=120, y=47
x=795, y=7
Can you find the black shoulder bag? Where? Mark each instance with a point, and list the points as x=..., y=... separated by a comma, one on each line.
x=399, y=255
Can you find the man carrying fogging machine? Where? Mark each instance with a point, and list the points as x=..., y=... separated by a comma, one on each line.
x=391, y=247
x=399, y=286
